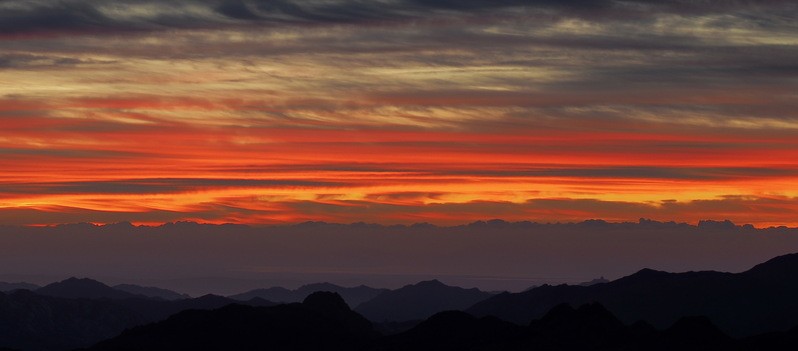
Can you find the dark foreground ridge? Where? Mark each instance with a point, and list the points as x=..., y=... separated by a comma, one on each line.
x=419, y=301
x=80, y=312
x=353, y=296
x=649, y=310
x=324, y=322
x=759, y=300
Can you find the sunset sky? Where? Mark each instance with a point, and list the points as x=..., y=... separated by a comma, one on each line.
x=398, y=111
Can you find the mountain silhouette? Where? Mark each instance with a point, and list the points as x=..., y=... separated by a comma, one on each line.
x=150, y=310
x=456, y=330
x=29, y=321
x=34, y=322
x=594, y=282
x=353, y=296
x=773, y=341
x=152, y=292
x=322, y=322
x=752, y=302
x=419, y=301
x=563, y=328
x=75, y=288
x=696, y=333
x=9, y=287
x=276, y=294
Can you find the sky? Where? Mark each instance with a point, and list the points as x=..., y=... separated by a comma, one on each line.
x=398, y=111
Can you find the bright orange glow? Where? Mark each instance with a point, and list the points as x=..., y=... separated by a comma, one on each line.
x=262, y=125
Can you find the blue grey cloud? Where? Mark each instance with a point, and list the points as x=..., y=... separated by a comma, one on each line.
x=18, y=16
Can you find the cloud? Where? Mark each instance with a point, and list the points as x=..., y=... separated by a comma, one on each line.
x=402, y=110
x=155, y=186
x=93, y=16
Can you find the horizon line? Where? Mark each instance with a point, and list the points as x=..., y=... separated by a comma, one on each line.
x=724, y=222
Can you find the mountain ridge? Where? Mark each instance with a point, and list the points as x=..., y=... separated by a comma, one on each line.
x=740, y=304
x=419, y=301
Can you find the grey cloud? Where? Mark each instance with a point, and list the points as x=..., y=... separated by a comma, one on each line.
x=8, y=152
x=43, y=61
x=152, y=186
x=23, y=16
x=514, y=170
x=42, y=16
x=676, y=173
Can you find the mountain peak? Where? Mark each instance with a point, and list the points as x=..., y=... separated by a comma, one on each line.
x=419, y=301
x=75, y=282
x=591, y=316
x=325, y=300
x=430, y=283
x=781, y=265
x=647, y=273
x=324, y=286
x=75, y=288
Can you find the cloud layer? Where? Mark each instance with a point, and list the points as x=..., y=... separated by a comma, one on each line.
x=397, y=111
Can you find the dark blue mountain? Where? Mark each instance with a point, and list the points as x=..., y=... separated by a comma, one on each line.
x=759, y=300
x=150, y=291
x=419, y=301
x=322, y=322
x=76, y=288
x=353, y=296
x=9, y=287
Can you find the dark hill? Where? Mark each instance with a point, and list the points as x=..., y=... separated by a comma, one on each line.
x=152, y=292
x=353, y=296
x=419, y=301
x=752, y=302
x=589, y=327
x=34, y=322
x=276, y=294
x=322, y=322
x=9, y=287
x=456, y=330
x=29, y=321
x=74, y=288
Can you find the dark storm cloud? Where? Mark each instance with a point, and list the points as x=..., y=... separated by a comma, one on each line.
x=42, y=61
x=152, y=186
x=23, y=16
x=66, y=153
x=19, y=17
x=642, y=172
x=499, y=170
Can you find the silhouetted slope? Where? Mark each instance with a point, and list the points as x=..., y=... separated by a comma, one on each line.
x=276, y=294
x=456, y=330
x=149, y=291
x=589, y=327
x=322, y=322
x=756, y=301
x=773, y=341
x=34, y=322
x=353, y=296
x=594, y=282
x=696, y=333
x=155, y=310
x=419, y=301
x=30, y=321
x=8, y=287
x=74, y=288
